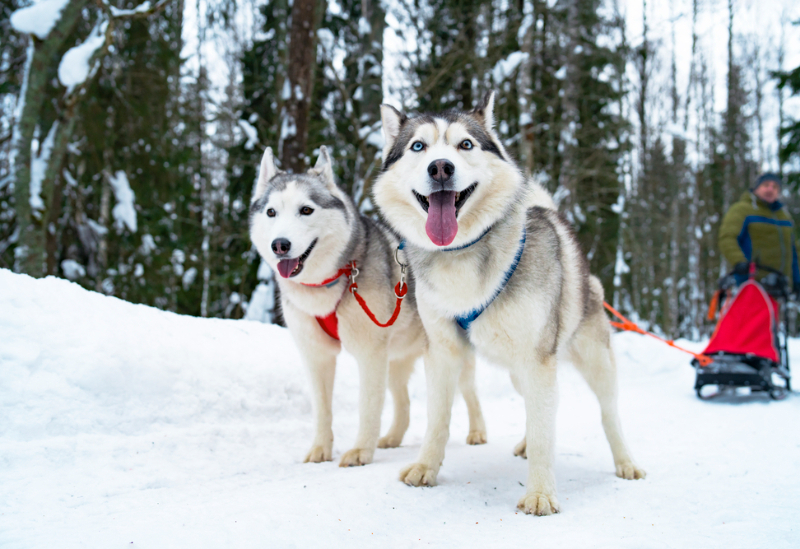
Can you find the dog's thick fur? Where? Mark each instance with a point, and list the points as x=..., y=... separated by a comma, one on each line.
x=551, y=305
x=337, y=234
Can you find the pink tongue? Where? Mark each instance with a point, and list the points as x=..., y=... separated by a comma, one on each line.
x=442, y=225
x=286, y=266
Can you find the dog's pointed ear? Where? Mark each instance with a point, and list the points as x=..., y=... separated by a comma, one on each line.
x=391, y=119
x=324, y=167
x=266, y=172
x=485, y=111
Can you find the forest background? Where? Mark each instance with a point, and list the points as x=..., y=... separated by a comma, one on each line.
x=130, y=133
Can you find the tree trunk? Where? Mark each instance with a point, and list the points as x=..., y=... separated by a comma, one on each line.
x=302, y=59
x=42, y=54
x=526, y=89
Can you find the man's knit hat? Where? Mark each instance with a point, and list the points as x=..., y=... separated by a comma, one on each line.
x=767, y=176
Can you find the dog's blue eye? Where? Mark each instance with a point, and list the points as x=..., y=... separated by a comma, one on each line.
x=466, y=144
x=417, y=146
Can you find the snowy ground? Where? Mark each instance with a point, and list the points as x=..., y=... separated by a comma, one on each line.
x=124, y=426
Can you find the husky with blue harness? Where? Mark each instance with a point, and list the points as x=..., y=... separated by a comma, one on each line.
x=499, y=271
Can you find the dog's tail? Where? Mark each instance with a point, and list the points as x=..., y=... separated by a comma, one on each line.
x=538, y=195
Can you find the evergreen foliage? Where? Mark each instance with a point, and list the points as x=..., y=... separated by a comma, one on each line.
x=577, y=106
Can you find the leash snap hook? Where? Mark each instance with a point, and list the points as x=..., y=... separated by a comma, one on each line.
x=397, y=259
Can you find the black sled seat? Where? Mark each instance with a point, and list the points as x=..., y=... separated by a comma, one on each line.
x=749, y=344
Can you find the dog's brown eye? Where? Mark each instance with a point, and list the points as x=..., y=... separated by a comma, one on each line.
x=305, y=210
x=466, y=144
x=270, y=212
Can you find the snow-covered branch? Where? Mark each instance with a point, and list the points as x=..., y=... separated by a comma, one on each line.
x=144, y=9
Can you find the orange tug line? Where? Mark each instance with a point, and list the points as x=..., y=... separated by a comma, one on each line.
x=629, y=326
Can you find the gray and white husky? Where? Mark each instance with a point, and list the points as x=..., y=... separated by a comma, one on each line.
x=309, y=231
x=497, y=270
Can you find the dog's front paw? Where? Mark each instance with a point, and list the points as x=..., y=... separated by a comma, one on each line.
x=318, y=454
x=630, y=471
x=418, y=474
x=476, y=437
x=520, y=449
x=538, y=503
x=356, y=457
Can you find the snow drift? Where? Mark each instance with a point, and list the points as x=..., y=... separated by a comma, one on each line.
x=122, y=425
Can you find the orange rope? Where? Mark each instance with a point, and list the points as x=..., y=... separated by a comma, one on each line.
x=712, y=307
x=629, y=326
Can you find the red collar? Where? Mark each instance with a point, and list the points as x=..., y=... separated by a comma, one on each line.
x=347, y=270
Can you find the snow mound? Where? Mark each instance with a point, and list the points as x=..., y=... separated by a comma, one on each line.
x=131, y=367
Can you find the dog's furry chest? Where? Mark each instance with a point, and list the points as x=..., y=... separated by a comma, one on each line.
x=457, y=282
x=314, y=301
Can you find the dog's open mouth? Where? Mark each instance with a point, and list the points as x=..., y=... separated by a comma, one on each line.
x=442, y=208
x=461, y=197
x=292, y=267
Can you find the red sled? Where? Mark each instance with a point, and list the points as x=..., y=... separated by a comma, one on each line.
x=749, y=345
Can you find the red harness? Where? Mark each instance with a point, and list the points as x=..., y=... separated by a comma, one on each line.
x=330, y=323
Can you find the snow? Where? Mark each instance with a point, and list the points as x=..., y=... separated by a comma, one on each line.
x=123, y=425
x=74, y=68
x=505, y=67
x=39, y=18
x=364, y=28
x=141, y=8
x=250, y=132
x=262, y=301
x=39, y=164
x=124, y=211
x=72, y=269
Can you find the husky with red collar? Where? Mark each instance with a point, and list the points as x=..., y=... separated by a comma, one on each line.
x=335, y=268
x=497, y=271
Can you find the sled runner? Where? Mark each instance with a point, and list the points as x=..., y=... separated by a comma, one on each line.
x=749, y=344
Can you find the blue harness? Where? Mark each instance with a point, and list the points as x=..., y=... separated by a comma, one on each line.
x=466, y=320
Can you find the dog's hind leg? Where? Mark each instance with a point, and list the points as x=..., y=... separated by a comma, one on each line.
x=399, y=372
x=466, y=384
x=519, y=449
x=592, y=355
x=537, y=383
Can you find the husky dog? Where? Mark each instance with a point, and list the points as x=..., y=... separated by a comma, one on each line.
x=308, y=230
x=498, y=270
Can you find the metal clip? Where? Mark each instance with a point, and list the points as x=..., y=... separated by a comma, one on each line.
x=397, y=259
x=353, y=274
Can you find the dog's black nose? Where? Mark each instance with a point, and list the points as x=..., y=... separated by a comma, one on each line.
x=441, y=170
x=281, y=246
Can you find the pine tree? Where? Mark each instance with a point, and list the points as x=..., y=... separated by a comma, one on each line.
x=263, y=68
x=789, y=132
x=598, y=136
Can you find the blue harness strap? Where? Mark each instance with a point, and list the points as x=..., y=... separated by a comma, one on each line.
x=466, y=320
x=468, y=244
x=402, y=244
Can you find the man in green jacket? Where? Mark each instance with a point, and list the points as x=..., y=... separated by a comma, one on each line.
x=758, y=228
